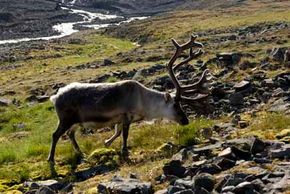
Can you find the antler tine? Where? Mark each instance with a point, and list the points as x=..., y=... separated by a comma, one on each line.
x=189, y=58
x=171, y=71
x=170, y=66
x=199, y=97
x=197, y=84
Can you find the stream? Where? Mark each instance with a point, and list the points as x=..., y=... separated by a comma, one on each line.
x=65, y=29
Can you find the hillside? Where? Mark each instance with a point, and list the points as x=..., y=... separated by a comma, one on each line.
x=153, y=7
x=236, y=142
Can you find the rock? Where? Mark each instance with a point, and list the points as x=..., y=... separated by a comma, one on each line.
x=187, y=191
x=34, y=98
x=206, y=133
x=4, y=102
x=228, y=59
x=283, y=184
x=167, y=149
x=222, y=126
x=181, y=155
x=207, y=150
x=268, y=83
x=210, y=169
x=243, y=124
x=247, y=64
x=201, y=191
x=51, y=184
x=258, y=146
x=163, y=191
x=283, y=133
x=279, y=54
x=125, y=186
x=175, y=168
x=225, y=163
x=282, y=153
x=188, y=184
x=244, y=187
x=236, y=99
x=280, y=105
x=204, y=180
x=258, y=185
x=108, y=62
x=287, y=56
x=242, y=85
x=174, y=189
x=227, y=153
x=228, y=189
x=45, y=190
x=241, y=154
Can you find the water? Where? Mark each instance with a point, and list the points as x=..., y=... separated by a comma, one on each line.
x=66, y=29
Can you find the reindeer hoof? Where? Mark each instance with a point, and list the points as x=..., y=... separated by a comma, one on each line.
x=125, y=153
x=107, y=143
x=51, y=162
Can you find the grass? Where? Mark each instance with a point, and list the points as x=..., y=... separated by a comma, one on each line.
x=49, y=66
x=266, y=125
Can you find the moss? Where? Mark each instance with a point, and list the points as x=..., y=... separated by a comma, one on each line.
x=102, y=156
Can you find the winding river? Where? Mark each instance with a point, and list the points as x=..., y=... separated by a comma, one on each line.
x=65, y=29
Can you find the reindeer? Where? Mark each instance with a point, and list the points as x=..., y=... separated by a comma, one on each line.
x=122, y=103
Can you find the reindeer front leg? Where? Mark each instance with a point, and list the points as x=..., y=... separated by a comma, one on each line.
x=125, y=133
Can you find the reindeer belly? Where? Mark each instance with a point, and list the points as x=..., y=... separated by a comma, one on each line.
x=100, y=122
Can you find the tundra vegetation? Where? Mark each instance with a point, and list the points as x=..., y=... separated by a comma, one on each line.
x=30, y=72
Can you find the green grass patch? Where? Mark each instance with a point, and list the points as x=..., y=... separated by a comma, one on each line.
x=189, y=134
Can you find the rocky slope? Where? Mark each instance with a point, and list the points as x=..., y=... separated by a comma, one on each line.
x=27, y=19
x=151, y=6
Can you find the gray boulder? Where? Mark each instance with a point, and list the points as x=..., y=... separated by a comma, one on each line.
x=125, y=186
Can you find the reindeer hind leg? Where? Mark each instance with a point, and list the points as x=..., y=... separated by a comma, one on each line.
x=118, y=130
x=71, y=135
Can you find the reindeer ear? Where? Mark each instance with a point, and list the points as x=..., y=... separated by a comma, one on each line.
x=167, y=97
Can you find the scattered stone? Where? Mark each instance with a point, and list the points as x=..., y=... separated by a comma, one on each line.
x=4, y=102
x=34, y=98
x=243, y=124
x=280, y=105
x=279, y=54
x=175, y=189
x=206, y=133
x=188, y=184
x=225, y=163
x=204, y=180
x=282, y=153
x=244, y=187
x=175, y=168
x=167, y=149
x=242, y=85
x=164, y=191
x=258, y=146
x=236, y=99
x=228, y=59
x=181, y=155
x=108, y=62
x=125, y=186
x=53, y=185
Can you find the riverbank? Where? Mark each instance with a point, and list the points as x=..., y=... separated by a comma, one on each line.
x=85, y=20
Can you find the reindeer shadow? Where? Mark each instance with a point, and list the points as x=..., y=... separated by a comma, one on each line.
x=90, y=170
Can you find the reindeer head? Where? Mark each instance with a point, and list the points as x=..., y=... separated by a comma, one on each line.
x=197, y=91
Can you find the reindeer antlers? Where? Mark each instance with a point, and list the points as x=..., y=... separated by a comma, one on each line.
x=195, y=88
